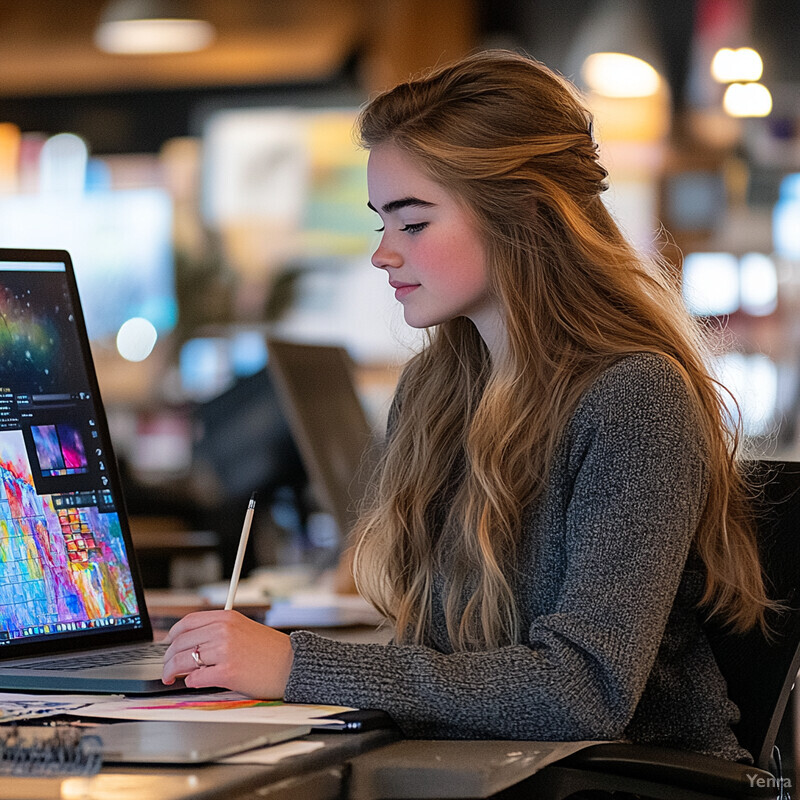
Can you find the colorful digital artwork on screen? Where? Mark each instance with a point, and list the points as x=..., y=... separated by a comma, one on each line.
x=59, y=449
x=38, y=345
x=71, y=443
x=48, y=450
x=57, y=565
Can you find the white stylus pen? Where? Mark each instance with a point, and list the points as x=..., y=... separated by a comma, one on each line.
x=237, y=567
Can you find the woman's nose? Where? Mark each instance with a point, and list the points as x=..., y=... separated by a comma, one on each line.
x=386, y=256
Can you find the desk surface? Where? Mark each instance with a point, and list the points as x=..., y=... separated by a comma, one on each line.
x=314, y=776
x=369, y=766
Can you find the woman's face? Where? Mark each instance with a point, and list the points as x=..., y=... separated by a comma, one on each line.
x=430, y=246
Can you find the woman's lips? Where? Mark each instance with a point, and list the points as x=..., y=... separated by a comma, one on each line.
x=401, y=290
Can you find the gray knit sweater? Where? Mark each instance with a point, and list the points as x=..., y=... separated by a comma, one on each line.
x=608, y=585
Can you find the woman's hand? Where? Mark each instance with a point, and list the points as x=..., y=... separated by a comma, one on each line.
x=230, y=651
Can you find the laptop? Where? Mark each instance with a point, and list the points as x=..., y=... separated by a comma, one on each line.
x=72, y=611
x=336, y=441
x=142, y=742
x=163, y=742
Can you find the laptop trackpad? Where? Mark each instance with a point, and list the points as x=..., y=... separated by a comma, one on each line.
x=135, y=671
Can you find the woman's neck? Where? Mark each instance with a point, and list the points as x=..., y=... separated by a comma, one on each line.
x=493, y=331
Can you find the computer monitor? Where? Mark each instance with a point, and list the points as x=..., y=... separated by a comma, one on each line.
x=243, y=439
x=244, y=444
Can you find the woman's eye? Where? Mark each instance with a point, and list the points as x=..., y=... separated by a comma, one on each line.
x=414, y=227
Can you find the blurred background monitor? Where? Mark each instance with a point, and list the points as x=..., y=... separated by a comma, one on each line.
x=211, y=362
x=244, y=444
x=721, y=284
x=121, y=246
x=244, y=440
x=692, y=200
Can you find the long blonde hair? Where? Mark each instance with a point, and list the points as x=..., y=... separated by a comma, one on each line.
x=471, y=441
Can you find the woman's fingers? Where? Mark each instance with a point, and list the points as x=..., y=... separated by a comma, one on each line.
x=226, y=649
x=193, y=621
x=190, y=643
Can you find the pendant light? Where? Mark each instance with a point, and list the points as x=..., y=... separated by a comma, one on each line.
x=146, y=27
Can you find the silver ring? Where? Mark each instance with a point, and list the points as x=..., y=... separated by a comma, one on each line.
x=196, y=656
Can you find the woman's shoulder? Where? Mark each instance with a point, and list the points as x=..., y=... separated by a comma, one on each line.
x=641, y=371
x=637, y=382
x=638, y=410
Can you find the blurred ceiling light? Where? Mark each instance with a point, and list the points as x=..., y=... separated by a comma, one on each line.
x=142, y=27
x=730, y=66
x=615, y=51
x=620, y=75
x=747, y=100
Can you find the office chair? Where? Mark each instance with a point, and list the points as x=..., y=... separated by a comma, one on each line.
x=760, y=672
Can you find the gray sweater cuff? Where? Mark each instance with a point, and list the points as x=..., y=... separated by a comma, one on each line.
x=320, y=672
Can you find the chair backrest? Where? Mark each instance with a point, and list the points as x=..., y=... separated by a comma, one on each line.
x=760, y=670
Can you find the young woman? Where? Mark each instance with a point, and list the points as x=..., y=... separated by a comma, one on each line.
x=558, y=506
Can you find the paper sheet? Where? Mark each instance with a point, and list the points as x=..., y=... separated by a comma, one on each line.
x=213, y=707
x=18, y=706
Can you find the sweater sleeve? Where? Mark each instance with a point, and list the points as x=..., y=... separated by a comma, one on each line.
x=633, y=492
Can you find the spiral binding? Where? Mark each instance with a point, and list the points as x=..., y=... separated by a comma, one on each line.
x=48, y=752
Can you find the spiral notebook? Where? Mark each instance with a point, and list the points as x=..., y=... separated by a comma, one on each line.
x=72, y=610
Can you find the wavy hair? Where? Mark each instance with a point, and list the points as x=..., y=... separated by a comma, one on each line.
x=471, y=441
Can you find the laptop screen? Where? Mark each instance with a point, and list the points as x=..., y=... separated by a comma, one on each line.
x=66, y=573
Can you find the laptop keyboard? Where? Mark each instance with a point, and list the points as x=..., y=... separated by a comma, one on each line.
x=145, y=654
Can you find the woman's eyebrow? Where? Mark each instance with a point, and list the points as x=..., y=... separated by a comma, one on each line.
x=396, y=205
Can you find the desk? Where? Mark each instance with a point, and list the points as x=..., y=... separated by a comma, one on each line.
x=365, y=766
x=166, y=606
x=319, y=775
x=451, y=769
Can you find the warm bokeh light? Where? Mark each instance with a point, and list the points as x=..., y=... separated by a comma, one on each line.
x=136, y=339
x=147, y=36
x=620, y=75
x=9, y=156
x=731, y=66
x=747, y=100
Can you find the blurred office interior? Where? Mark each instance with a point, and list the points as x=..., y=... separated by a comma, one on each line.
x=210, y=194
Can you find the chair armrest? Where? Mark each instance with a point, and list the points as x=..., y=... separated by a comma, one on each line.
x=681, y=768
